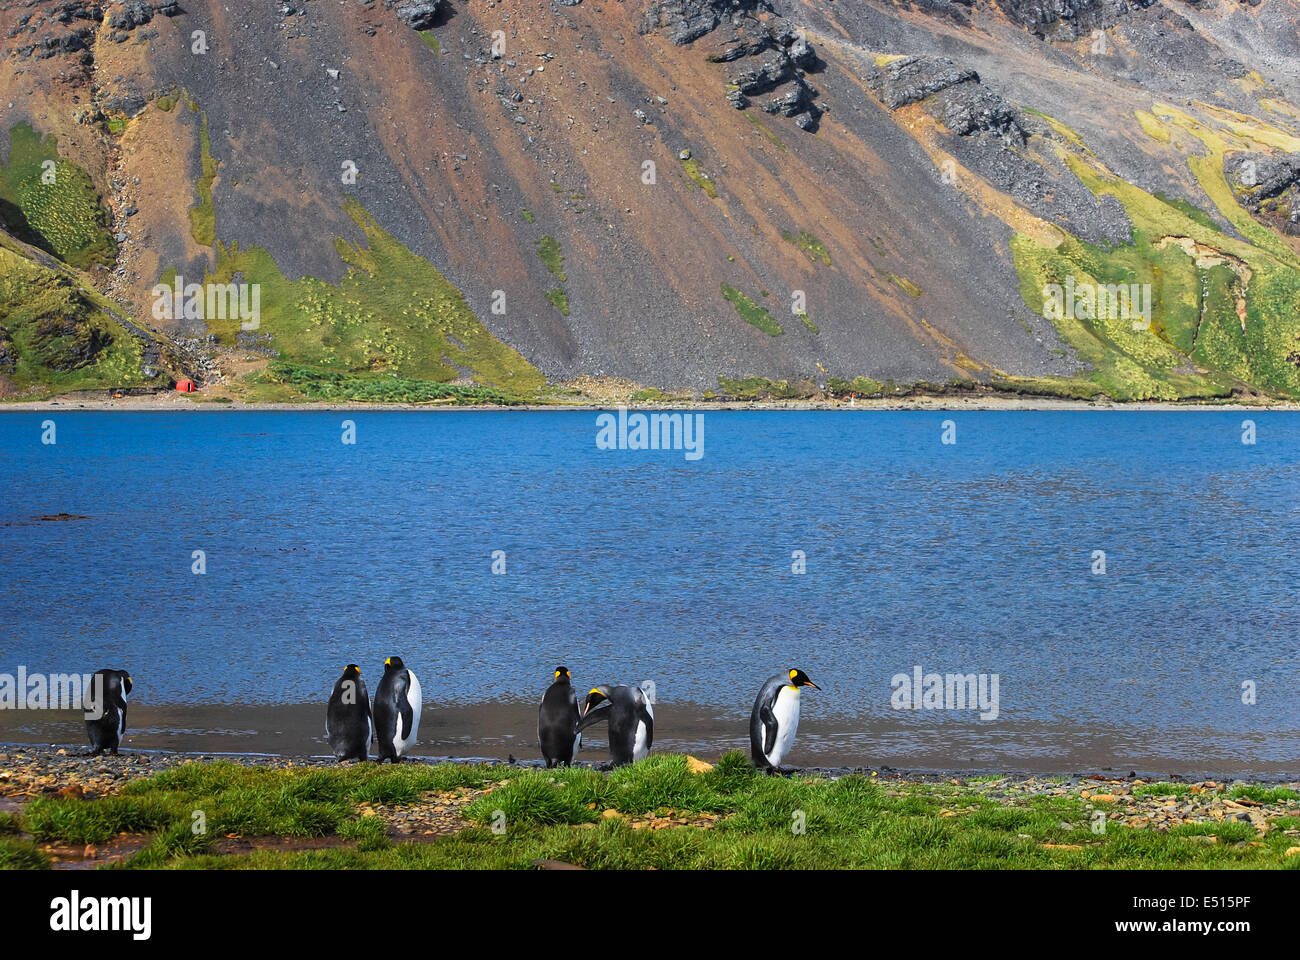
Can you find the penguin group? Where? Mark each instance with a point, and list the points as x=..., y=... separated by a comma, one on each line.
x=392, y=719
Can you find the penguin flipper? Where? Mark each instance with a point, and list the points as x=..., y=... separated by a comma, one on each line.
x=592, y=718
x=769, y=728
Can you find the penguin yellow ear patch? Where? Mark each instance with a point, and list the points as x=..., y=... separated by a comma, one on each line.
x=793, y=674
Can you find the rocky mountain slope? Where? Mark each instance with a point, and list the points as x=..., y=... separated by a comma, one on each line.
x=503, y=199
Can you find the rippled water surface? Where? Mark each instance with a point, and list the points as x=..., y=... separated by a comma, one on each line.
x=974, y=557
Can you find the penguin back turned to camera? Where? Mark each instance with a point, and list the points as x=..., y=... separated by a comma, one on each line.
x=775, y=718
x=396, y=711
x=348, y=726
x=557, y=721
x=105, y=710
x=631, y=717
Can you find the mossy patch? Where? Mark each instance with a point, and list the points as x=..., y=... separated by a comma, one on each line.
x=431, y=42
x=862, y=386
x=559, y=299
x=528, y=216
x=203, y=219
x=761, y=388
x=51, y=203
x=762, y=128
x=548, y=250
x=906, y=285
x=698, y=177
x=812, y=248
x=751, y=312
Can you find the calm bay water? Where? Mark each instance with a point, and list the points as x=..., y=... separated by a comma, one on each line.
x=974, y=557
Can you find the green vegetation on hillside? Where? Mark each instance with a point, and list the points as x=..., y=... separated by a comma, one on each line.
x=51, y=203
x=55, y=334
x=338, y=387
x=392, y=312
x=813, y=248
x=203, y=215
x=698, y=177
x=751, y=312
x=559, y=298
x=548, y=251
x=1222, y=309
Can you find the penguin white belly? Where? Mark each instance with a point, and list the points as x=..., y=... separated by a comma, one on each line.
x=639, y=749
x=414, y=697
x=577, y=745
x=786, y=711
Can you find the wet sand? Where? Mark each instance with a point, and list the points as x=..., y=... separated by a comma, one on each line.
x=500, y=730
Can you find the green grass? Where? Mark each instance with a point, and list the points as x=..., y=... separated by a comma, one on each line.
x=431, y=41
x=548, y=250
x=807, y=322
x=850, y=822
x=1161, y=790
x=528, y=216
x=337, y=387
x=1263, y=794
x=751, y=312
x=167, y=102
x=559, y=299
x=203, y=215
x=813, y=248
x=64, y=218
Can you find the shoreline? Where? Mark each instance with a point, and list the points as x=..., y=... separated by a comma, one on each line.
x=156, y=759
x=169, y=403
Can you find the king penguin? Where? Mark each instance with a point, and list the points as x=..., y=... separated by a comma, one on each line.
x=557, y=722
x=105, y=710
x=775, y=718
x=631, y=718
x=347, y=719
x=397, y=710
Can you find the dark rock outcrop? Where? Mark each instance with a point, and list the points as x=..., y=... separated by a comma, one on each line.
x=1267, y=186
x=958, y=99
x=1068, y=20
x=416, y=14
x=688, y=20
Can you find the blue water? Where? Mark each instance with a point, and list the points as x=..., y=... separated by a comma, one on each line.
x=630, y=565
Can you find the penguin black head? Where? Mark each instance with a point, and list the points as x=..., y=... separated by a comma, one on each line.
x=394, y=663
x=126, y=682
x=800, y=679
x=562, y=674
x=594, y=699
x=351, y=670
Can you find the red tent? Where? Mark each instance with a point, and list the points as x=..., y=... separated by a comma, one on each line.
x=185, y=386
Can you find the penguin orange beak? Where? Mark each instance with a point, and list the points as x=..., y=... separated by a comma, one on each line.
x=813, y=685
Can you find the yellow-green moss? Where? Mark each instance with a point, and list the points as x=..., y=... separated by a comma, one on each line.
x=63, y=217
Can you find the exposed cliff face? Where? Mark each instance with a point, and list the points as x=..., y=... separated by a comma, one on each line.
x=678, y=195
